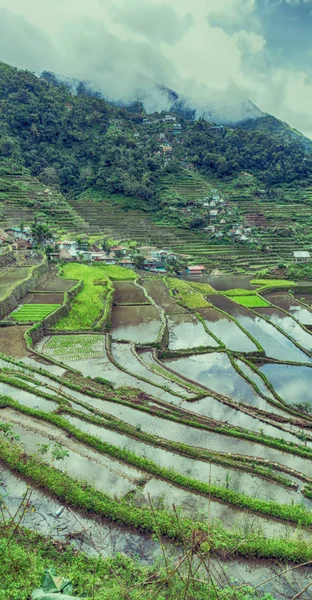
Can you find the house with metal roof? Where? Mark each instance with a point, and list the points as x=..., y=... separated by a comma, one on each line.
x=301, y=256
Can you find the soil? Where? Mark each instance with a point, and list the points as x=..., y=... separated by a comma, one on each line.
x=12, y=341
x=37, y=298
x=52, y=283
x=126, y=292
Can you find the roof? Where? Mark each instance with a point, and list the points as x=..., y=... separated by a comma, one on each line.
x=64, y=254
x=196, y=268
x=301, y=254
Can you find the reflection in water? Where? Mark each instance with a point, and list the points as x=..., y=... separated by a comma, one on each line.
x=292, y=383
x=293, y=329
x=139, y=324
x=227, y=331
x=185, y=331
x=289, y=304
x=215, y=371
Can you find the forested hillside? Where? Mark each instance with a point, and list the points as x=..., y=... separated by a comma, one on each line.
x=78, y=142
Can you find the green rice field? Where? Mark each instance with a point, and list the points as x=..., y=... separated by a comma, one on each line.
x=251, y=301
x=33, y=312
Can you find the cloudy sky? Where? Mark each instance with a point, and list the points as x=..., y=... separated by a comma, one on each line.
x=219, y=52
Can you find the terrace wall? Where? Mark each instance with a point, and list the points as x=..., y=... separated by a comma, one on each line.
x=12, y=296
x=7, y=258
x=37, y=332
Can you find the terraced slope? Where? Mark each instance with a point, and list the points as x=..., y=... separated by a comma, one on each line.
x=23, y=196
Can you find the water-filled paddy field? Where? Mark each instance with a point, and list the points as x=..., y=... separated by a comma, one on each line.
x=193, y=406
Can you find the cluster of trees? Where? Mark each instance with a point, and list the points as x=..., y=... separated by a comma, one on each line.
x=79, y=141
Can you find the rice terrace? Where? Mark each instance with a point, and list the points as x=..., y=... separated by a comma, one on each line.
x=162, y=395
x=155, y=317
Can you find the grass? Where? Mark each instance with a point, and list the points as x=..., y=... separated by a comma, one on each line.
x=33, y=312
x=203, y=288
x=239, y=292
x=26, y=555
x=186, y=296
x=251, y=301
x=272, y=282
x=161, y=522
x=88, y=305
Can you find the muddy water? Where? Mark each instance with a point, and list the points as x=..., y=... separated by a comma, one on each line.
x=215, y=371
x=274, y=343
x=288, y=303
x=228, y=282
x=160, y=294
x=292, y=383
x=126, y=292
x=195, y=469
x=34, y=298
x=288, y=325
x=108, y=475
x=185, y=331
x=227, y=331
x=140, y=324
x=127, y=359
x=192, y=436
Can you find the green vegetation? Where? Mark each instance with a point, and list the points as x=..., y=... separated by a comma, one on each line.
x=33, y=312
x=101, y=578
x=84, y=496
x=203, y=288
x=251, y=301
x=75, y=347
x=272, y=282
x=89, y=304
x=184, y=293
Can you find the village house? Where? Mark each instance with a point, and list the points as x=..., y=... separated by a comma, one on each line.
x=17, y=233
x=210, y=228
x=70, y=246
x=169, y=119
x=127, y=263
x=195, y=271
x=122, y=249
x=166, y=148
x=64, y=256
x=213, y=215
x=301, y=256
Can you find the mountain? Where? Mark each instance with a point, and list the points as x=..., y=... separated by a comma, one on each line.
x=77, y=141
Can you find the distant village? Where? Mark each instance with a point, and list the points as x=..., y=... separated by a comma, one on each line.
x=150, y=258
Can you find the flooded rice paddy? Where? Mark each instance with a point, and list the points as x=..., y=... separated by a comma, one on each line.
x=227, y=331
x=215, y=372
x=140, y=324
x=289, y=326
x=292, y=383
x=186, y=331
x=289, y=303
x=127, y=292
x=173, y=406
x=274, y=343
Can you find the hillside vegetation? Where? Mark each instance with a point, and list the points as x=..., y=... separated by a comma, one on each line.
x=78, y=142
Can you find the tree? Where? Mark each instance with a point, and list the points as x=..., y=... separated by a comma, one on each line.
x=138, y=260
x=118, y=254
x=40, y=232
x=106, y=246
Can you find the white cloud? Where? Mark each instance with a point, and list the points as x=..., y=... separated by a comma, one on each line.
x=212, y=51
